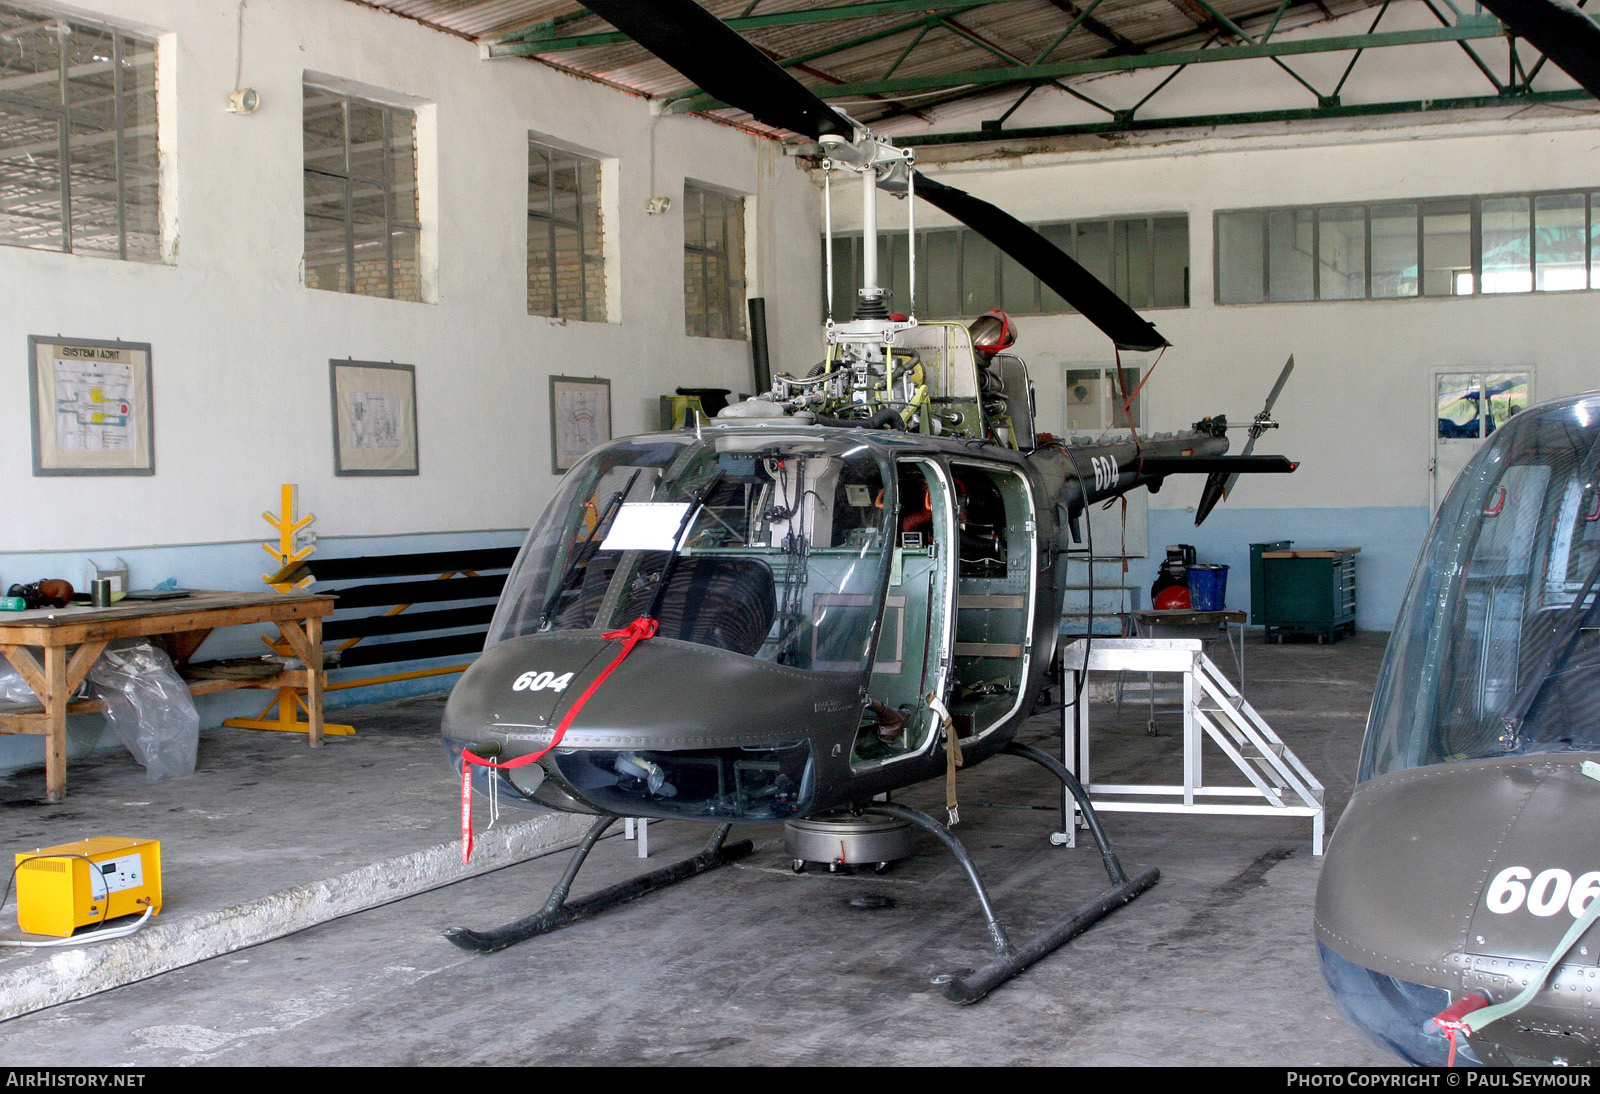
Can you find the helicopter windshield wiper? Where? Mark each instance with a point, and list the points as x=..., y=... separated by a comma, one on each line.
x=683, y=527
x=586, y=550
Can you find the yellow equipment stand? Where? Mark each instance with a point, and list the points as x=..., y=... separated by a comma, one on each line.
x=62, y=888
x=287, y=701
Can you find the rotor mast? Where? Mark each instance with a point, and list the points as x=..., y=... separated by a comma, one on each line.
x=879, y=163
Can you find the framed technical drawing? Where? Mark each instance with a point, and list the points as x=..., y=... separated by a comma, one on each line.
x=91, y=407
x=580, y=418
x=374, y=418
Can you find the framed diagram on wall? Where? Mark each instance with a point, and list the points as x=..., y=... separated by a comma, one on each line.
x=91, y=407
x=580, y=418
x=374, y=418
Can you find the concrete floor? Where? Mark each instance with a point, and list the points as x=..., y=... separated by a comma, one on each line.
x=751, y=964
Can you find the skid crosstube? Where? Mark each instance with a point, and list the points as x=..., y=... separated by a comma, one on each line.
x=1011, y=959
x=557, y=913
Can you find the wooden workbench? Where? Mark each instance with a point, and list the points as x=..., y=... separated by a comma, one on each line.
x=184, y=622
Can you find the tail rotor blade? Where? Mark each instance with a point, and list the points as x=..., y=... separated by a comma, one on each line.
x=713, y=55
x=1036, y=254
x=1219, y=485
x=1277, y=388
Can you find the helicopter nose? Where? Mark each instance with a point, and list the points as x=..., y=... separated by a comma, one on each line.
x=676, y=729
x=1464, y=877
x=667, y=694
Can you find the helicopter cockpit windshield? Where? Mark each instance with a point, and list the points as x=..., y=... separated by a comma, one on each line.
x=773, y=547
x=1497, y=649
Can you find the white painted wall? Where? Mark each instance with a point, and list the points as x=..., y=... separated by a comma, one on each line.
x=241, y=347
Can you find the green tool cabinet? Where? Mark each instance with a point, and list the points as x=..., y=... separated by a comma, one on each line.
x=1309, y=592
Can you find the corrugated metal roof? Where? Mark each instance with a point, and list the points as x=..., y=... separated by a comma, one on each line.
x=1023, y=29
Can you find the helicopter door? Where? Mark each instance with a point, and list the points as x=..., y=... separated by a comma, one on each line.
x=915, y=627
x=995, y=590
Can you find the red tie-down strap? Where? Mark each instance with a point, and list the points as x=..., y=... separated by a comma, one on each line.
x=640, y=629
x=1451, y=1020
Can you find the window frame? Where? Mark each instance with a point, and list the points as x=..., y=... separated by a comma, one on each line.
x=735, y=284
x=1436, y=205
x=592, y=267
x=847, y=260
x=60, y=115
x=392, y=222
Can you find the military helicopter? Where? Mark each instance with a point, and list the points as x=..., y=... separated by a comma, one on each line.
x=843, y=587
x=1456, y=907
x=1463, y=872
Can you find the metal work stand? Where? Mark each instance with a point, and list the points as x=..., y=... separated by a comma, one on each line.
x=1279, y=784
x=557, y=913
x=1011, y=959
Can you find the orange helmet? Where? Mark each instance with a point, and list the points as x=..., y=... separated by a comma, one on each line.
x=993, y=332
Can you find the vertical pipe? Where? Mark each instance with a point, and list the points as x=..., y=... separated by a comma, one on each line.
x=64, y=146
x=759, y=359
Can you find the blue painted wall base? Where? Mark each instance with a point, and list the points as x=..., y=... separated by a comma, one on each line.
x=1389, y=539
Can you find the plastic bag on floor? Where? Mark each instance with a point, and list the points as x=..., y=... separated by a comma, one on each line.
x=148, y=706
x=13, y=688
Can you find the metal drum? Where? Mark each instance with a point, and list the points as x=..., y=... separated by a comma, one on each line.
x=842, y=839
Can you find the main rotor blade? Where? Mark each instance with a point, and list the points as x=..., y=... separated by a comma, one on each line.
x=1559, y=31
x=712, y=55
x=1051, y=265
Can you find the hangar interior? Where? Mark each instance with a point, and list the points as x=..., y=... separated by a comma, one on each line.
x=416, y=257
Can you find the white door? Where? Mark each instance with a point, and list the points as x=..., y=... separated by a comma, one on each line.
x=1468, y=407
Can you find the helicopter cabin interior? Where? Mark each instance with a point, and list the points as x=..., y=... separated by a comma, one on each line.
x=778, y=556
x=963, y=559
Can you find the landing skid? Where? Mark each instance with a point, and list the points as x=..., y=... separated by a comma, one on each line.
x=557, y=913
x=1011, y=959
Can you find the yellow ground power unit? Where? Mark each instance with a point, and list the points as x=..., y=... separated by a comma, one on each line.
x=60, y=889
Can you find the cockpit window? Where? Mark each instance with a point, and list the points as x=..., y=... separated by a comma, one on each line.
x=780, y=548
x=1496, y=651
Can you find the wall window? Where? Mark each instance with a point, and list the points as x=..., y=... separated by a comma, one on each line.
x=362, y=234
x=566, y=262
x=1505, y=243
x=713, y=263
x=1095, y=395
x=1145, y=260
x=78, y=166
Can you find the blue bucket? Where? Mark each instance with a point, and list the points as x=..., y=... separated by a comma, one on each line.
x=1208, y=587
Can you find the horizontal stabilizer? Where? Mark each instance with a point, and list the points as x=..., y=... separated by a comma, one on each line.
x=1218, y=465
